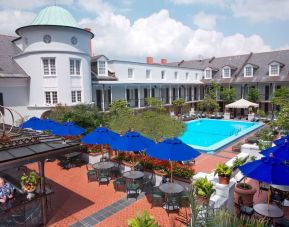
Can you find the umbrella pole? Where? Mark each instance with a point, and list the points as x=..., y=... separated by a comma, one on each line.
x=171, y=171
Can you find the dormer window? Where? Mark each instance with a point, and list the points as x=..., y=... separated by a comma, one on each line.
x=208, y=74
x=274, y=69
x=101, y=67
x=248, y=71
x=226, y=72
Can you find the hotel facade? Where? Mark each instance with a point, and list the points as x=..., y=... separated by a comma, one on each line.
x=50, y=63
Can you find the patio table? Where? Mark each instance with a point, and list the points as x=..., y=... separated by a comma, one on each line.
x=270, y=211
x=133, y=174
x=169, y=189
x=103, y=165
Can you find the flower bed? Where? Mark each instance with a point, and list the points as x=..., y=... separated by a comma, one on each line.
x=180, y=171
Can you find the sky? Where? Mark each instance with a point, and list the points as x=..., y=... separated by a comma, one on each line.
x=172, y=29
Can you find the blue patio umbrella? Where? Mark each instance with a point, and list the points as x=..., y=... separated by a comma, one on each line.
x=34, y=123
x=270, y=170
x=101, y=136
x=281, y=152
x=132, y=141
x=172, y=150
x=49, y=124
x=68, y=129
x=282, y=141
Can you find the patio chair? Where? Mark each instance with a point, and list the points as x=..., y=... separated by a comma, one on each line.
x=276, y=197
x=245, y=210
x=91, y=173
x=263, y=187
x=132, y=190
x=115, y=170
x=121, y=181
x=282, y=222
x=156, y=196
x=103, y=177
x=172, y=204
x=148, y=182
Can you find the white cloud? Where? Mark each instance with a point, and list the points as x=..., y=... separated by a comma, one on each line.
x=209, y=2
x=10, y=20
x=159, y=35
x=261, y=10
x=205, y=21
x=95, y=5
x=30, y=4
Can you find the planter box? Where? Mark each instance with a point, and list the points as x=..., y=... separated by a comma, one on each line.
x=93, y=158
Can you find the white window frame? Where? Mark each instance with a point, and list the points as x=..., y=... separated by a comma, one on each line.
x=76, y=96
x=51, y=70
x=73, y=70
x=187, y=75
x=51, y=97
x=130, y=75
x=229, y=72
x=148, y=74
x=100, y=69
x=206, y=74
x=245, y=71
x=176, y=75
x=270, y=69
x=163, y=75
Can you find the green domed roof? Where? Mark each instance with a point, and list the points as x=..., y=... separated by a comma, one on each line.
x=55, y=15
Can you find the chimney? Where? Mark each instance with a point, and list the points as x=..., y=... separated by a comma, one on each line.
x=90, y=42
x=164, y=61
x=150, y=60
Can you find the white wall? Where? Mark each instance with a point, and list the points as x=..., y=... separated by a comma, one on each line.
x=62, y=50
x=121, y=71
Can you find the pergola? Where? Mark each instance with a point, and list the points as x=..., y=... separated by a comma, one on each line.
x=22, y=146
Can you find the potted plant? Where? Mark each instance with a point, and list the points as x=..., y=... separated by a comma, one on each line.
x=224, y=172
x=29, y=182
x=244, y=193
x=143, y=220
x=204, y=189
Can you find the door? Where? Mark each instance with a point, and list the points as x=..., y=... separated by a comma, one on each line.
x=136, y=97
x=267, y=92
x=98, y=99
x=128, y=96
x=1, y=103
x=167, y=95
x=153, y=92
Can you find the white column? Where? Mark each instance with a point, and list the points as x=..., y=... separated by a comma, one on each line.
x=150, y=90
x=186, y=98
x=178, y=91
x=110, y=94
x=102, y=98
x=170, y=94
x=125, y=92
x=138, y=94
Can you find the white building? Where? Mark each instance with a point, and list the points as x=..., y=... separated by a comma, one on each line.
x=50, y=63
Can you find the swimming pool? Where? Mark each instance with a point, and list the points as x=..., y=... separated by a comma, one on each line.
x=208, y=135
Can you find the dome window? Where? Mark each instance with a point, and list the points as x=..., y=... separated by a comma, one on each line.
x=47, y=39
x=73, y=40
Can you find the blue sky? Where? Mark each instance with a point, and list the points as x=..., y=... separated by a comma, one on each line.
x=173, y=29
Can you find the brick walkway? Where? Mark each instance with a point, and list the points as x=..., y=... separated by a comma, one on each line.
x=75, y=199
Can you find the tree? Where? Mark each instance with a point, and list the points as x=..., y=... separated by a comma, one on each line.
x=214, y=90
x=85, y=116
x=283, y=118
x=281, y=97
x=228, y=95
x=119, y=107
x=178, y=105
x=208, y=104
x=150, y=123
x=155, y=104
x=253, y=95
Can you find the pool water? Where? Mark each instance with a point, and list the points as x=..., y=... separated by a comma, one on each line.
x=208, y=135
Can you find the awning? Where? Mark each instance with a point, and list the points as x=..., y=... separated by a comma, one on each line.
x=242, y=103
